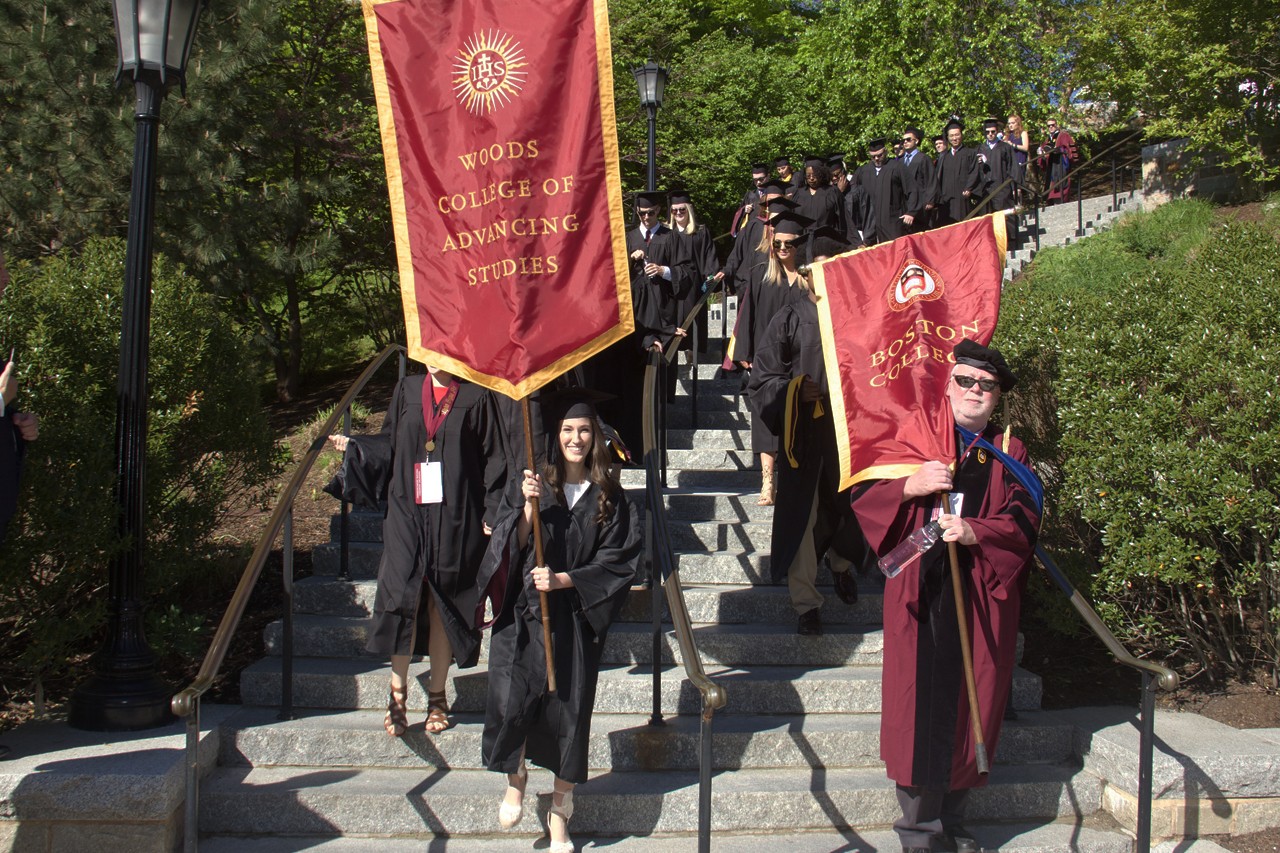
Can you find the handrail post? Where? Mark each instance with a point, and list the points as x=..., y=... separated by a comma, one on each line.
x=704, y=780
x=191, y=806
x=1146, y=745
x=1037, y=225
x=693, y=372
x=1079, y=207
x=661, y=397
x=655, y=591
x=1114, y=189
x=344, y=520
x=286, y=642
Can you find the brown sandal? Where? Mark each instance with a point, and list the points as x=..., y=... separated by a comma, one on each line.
x=397, y=718
x=437, y=712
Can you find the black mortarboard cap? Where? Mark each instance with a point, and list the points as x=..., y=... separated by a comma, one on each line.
x=914, y=131
x=989, y=359
x=760, y=167
x=789, y=222
x=650, y=199
x=939, y=138
x=814, y=161
x=781, y=161
x=835, y=159
x=775, y=186
x=991, y=122
x=575, y=402
x=954, y=122
x=678, y=196
x=876, y=144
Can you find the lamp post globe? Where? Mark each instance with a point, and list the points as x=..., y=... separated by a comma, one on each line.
x=651, y=81
x=125, y=693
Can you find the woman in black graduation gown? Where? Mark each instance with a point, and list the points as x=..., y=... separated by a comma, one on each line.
x=789, y=391
x=780, y=284
x=591, y=542
x=440, y=467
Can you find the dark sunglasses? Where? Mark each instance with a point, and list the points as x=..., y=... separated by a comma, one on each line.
x=647, y=211
x=784, y=244
x=967, y=382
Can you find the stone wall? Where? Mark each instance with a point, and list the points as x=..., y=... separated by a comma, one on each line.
x=1167, y=174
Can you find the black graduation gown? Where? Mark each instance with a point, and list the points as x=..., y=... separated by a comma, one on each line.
x=657, y=299
x=554, y=729
x=792, y=347
x=919, y=173
x=11, y=451
x=999, y=164
x=825, y=207
x=763, y=302
x=891, y=195
x=957, y=170
x=700, y=249
x=857, y=214
x=436, y=545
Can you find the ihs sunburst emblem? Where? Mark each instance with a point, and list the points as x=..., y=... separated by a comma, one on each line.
x=489, y=72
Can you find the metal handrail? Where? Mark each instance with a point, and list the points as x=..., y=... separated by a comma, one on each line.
x=666, y=575
x=186, y=703
x=1153, y=674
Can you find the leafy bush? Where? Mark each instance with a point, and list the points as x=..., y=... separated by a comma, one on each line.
x=207, y=442
x=1150, y=394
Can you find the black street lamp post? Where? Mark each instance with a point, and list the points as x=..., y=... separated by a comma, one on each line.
x=651, y=79
x=125, y=692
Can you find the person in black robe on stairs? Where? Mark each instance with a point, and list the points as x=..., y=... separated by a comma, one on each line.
x=780, y=283
x=439, y=467
x=892, y=194
x=812, y=517
x=957, y=178
x=591, y=539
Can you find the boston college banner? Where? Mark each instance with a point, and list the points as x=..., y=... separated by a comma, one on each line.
x=502, y=167
x=890, y=317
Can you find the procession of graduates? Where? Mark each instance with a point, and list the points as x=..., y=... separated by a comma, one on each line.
x=524, y=528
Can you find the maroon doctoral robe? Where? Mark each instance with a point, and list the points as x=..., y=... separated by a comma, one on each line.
x=926, y=738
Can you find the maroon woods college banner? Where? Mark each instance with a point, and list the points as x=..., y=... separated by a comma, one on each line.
x=890, y=317
x=502, y=166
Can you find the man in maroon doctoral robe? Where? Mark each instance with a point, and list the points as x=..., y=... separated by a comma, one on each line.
x=926, y=737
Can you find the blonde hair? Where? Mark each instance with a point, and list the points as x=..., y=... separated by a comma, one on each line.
x=693, y=220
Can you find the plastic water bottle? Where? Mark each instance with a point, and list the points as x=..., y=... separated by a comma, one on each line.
x=910, y=549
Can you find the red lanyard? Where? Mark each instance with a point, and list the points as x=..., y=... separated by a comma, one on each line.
x=432, y=415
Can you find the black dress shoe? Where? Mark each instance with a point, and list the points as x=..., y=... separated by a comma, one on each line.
x=846, y=586
x=810, y=623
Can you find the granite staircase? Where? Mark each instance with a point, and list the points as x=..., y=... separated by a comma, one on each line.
x=795, y=752
x=1059, y=226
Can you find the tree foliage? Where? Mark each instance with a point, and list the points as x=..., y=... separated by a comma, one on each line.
x=206, y=442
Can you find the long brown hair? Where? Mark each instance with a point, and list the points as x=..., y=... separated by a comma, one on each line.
x=599, y=472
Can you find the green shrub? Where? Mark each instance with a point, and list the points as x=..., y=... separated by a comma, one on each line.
x=1150, y=399
x=207, y=442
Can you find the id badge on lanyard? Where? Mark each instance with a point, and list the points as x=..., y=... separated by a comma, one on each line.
x=428, y=482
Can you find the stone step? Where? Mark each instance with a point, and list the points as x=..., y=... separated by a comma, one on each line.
x=406, y=803
x=707, y=439
x=619, y=742
x=695, y=568
x=728, y=479
x=632, y=643
x=683, y=419
x=1092, y=834
x=723, y=603
x=351, y=683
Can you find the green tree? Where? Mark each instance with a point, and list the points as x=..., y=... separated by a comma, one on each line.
x=271, y=188
x=207, y=441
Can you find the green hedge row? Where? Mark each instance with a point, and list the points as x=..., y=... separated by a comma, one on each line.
x=1150, y=359
x=207, y=441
